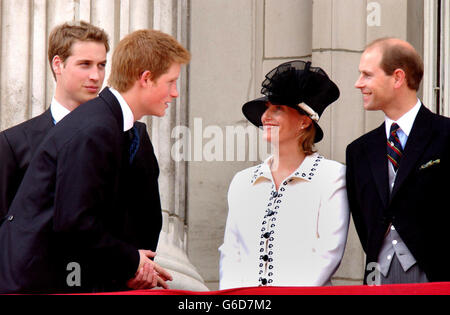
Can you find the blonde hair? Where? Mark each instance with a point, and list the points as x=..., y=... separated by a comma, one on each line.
x=63, y=36
x=144, y=50
x=306, y=140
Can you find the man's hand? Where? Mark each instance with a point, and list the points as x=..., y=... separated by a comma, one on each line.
x=146, y=278
x=149, y=273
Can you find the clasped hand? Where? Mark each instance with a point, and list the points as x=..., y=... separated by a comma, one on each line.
x=149, y=273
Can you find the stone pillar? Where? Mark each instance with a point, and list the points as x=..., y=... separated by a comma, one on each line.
x=337, y=43
x=170, y=16
x=222, y=37
x=15, y=62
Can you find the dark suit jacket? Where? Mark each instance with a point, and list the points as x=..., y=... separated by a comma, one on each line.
x=142, y=221
x=73, y=214
x=140, y=195
x=17, y=146
x=418, y=205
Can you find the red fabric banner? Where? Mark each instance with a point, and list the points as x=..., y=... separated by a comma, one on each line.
x=436, y=288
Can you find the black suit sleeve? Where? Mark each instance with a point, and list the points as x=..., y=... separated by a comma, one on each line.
x=8, y=167
x=85, y=192
x=354, y=205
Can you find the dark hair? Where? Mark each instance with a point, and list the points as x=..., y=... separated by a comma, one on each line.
x=399, y=56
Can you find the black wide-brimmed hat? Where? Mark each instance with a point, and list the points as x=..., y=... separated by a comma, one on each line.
x=298, y=85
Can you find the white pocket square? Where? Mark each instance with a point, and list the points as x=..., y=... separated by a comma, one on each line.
x=430, y=163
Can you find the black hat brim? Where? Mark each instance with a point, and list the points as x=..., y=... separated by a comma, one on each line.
x=253, y=111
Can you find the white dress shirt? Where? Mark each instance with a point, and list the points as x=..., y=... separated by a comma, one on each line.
x=128, y=117
x=291, y=237
x=405, y=123
x=58, y=111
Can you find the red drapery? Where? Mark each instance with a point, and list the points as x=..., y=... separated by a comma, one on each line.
x=436, y=288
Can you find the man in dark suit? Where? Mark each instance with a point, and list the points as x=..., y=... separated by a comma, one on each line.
x=77, y=57
x=397, y=174
x=67, y=211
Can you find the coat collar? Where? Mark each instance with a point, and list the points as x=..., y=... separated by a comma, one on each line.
x=38, y=129
x=375, y=147
x=113, y=104
x=306, y=171
x=43, y=122
x=58, y=111
x=128, y=118
x=418, y=140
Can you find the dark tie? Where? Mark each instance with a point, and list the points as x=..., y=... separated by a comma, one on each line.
x=134, y=144
x=394, y=147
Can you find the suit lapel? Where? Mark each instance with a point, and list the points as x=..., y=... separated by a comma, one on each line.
x=42, y=124
x=376, y=153
x=114, y=105
x=415, y=146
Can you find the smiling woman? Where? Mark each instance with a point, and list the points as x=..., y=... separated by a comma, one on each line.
x=297, y=197
x=282, y=123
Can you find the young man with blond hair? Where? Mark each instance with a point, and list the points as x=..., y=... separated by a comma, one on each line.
x=77, y=58
x=72, y=213
x=157, y=77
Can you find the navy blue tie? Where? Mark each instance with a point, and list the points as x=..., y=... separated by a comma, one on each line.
x=394, y=147
x=134, y=145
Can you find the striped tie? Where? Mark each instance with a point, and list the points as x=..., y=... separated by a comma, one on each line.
x=394, y=147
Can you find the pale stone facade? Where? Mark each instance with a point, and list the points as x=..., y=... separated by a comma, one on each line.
x=233, y=43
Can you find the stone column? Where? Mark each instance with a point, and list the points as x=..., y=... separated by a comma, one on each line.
x=339, y=37
x=170, y=16
x=15, y=62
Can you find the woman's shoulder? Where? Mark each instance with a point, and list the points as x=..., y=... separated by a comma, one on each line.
x=248, y=173
x=333, y=164
x=241, y=183
x=330, y=168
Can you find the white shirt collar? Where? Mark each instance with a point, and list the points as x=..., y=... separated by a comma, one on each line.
x=58, y=111
x=128, y=118
x=306, y=170
x=405, y=122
